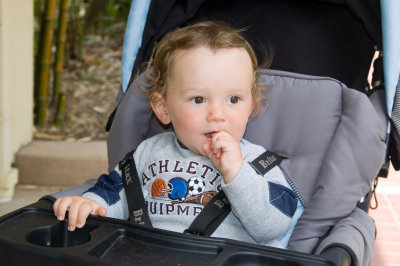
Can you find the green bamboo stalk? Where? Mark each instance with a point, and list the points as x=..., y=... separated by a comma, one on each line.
x=61, y=37
x=60, y=113
x=74, y=31
x=70, y=107
x=93, y=13
x=45, y=61
x=37, y=13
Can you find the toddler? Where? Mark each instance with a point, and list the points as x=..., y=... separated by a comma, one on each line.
x=203, y=81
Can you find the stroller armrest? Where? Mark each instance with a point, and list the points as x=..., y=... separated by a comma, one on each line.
x=355, y=234
x=339, y=256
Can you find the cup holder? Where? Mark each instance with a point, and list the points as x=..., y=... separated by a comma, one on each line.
x=57, y=235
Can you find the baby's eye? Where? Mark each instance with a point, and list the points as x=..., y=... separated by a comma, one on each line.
x=198, y=100
x=234, y=99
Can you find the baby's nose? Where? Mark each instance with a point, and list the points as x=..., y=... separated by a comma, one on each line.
x=216, y=113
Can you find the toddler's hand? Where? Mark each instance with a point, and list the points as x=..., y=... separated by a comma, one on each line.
x=225, y=153
x=78, y=208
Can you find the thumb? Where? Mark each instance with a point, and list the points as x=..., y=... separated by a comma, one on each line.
x=101, y=211
x=207, y=149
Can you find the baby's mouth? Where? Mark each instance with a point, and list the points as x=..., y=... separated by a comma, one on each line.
x=209, y=135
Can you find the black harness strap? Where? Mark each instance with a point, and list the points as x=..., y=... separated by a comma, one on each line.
x=211, y=216
x=134, y=195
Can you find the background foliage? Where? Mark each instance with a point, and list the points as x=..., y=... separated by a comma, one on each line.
x=86, y=19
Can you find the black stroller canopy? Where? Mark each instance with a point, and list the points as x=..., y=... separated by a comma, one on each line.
x=334, y=38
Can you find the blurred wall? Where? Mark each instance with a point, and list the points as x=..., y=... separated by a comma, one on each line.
x=16, y=87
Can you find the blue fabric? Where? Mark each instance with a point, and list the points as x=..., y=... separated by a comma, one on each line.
x=282, y=198
x=391, y=48
x=284, y=239
x=108, y=187
x=133, y=38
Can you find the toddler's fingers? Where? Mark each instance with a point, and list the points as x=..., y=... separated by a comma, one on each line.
x=218, y=140
x=61, y=206
x=207, y=149
x=101, y=212
x=219, y=144
x=87, y=208
x=55, y=207
x=73, y=214
x=83, y=212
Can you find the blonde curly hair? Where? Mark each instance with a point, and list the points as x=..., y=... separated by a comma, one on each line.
x=214, y=35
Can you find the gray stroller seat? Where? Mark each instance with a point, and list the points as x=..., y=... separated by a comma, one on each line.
x=332, y=139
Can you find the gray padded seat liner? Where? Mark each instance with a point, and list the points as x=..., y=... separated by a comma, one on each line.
x=331, y=135
x=300, y=122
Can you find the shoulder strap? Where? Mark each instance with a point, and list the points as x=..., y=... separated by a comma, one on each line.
x=133, y=190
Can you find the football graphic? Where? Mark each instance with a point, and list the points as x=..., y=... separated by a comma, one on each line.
x=196, y=186
x=203, y=198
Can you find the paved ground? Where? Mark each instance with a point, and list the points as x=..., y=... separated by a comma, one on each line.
x=387, y=220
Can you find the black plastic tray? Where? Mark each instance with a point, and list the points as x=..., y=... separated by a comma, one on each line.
x=33, y=236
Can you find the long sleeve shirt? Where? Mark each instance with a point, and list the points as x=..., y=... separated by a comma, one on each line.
x=177, y=183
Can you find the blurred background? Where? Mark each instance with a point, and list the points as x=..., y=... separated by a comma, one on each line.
x=60, y=73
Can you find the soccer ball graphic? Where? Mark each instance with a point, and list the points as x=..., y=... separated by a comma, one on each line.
x=196, y=186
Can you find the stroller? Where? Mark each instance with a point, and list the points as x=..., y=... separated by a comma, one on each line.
x=335, y=140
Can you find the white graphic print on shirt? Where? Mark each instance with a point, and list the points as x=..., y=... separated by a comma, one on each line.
x=181, y=188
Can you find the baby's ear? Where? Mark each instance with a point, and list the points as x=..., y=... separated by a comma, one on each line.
x=157, y=103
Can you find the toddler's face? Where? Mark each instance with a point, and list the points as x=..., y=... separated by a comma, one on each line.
x=209, y=91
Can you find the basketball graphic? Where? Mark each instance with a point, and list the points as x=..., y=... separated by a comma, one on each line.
x=158, y=188
x=196, y=186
